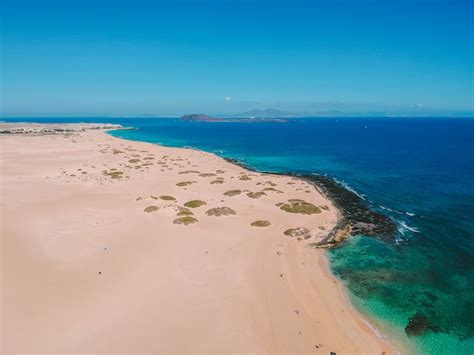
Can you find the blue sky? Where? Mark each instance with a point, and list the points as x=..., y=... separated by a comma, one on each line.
x=73, y=57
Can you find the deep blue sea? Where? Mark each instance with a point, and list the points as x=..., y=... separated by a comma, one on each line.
x=418, y=171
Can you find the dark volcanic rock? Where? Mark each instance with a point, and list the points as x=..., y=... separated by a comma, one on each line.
x=417, y=325
x=356, y=216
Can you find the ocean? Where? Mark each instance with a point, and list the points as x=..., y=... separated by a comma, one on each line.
x=417, y=286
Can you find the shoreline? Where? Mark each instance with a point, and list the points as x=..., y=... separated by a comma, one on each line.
x=354, y=216
x=344, y=218
x=296, y=252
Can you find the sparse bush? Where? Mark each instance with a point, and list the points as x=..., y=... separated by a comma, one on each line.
x=151, y=209
x=261, y=223
x=220, y=211
x=300, y=206
x=185, y=220
x=233, y=193
x=195, y=203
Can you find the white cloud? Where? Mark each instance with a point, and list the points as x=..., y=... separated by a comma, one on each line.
x=227, y=98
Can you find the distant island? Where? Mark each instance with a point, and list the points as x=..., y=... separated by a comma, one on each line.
x=268, y=113
x=200, y=117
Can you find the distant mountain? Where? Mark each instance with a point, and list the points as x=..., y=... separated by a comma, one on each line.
x=201, y=117
x=267, y=113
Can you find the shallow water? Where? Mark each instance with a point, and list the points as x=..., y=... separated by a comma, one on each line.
x=418, y=171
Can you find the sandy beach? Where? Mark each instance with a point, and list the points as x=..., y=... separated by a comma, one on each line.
x=114, y=246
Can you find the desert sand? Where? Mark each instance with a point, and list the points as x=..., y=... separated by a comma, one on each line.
x=101, y=255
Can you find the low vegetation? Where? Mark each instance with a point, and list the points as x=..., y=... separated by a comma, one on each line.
x=185, y=183
x=113, y=173
x=188, y=172
x=151, y=209
x=185, y=220
x=257, y=194
x=220, y=211
x=300, y=232
x=261, y=223
x=300, y=206
x=272, y=189
x=231, y=193
x=195, y=203
x=167, y=198
x=185, y=213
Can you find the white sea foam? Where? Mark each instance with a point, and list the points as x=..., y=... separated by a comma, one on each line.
x=404, y=225
x=409, y=214
x=399, y=212
x=348, y=187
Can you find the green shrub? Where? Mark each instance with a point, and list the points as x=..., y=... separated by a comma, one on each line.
x=261, y=223
x=300, y=206
x=185, y=213
x=167, y=198
x=185, y=183
x=185, y=220
x=195, y=203
x=151, y=209
x=256, y=194
x=220, y=211
x=233, y=192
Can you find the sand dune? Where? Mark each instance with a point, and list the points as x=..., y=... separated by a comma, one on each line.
x=89, y=266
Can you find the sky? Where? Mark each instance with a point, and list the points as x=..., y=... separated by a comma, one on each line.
x=138, y=57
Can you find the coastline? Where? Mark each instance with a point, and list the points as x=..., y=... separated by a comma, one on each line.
x=357, y=335
x=345, y=212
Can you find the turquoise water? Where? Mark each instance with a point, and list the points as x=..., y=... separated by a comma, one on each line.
x=417, y=171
